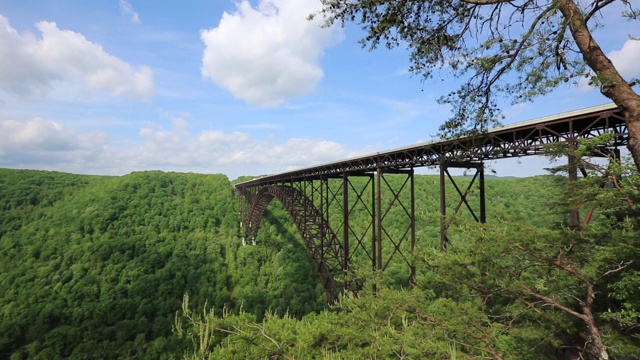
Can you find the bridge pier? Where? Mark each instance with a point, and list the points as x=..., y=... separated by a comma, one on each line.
x=479, y=175
x=359, y=239
x=404, y=205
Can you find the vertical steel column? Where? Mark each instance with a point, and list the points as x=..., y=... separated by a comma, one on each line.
x=324, y=211
x=379, y=213
x=374, y=229
x=443, y=210
x=345, y=219
x=412, y=278
x=483, y=206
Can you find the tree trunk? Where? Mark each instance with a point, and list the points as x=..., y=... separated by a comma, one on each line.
x=612, y=85
x=595, y=347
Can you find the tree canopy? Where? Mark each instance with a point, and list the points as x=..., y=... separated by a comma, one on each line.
x=96, y=267
x=524, y=285
x=518, y=49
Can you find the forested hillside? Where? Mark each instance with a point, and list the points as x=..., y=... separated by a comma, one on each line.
x=97, y=267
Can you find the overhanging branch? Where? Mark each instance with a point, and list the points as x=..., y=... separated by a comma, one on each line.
x=486, y=2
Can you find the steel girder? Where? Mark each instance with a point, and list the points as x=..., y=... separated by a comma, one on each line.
x=384, y=233
x=320, y=241
x=517, y=140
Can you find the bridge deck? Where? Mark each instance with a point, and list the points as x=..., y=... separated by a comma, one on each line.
x=515, y=140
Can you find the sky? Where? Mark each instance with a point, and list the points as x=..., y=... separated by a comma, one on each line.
x=108, y=87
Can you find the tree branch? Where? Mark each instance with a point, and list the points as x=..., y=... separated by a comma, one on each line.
x=490, y=349
x=487, y=2
x=553, y=302
x=619, y=268
x=485, y=339
x=597, y=7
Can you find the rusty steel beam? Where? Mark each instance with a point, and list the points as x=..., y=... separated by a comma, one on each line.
x=345, y=220
x=517, y=140
x=327, y=255
x=313, y=194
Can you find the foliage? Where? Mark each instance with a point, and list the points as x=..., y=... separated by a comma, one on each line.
x=558, y=281
x=525, y=285
x=97, y=266
x=608, y=184
x=391, y=324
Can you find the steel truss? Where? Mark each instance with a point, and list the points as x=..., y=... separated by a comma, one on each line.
x=362, y=210
x=320, y=241
x=517, y=140
x=334, y=243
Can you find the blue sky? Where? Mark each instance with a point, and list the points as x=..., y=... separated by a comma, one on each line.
x=242, y=88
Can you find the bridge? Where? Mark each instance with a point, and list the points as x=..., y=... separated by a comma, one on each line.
x=322, y=199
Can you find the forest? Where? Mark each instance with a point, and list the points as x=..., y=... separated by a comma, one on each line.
x=151, y=265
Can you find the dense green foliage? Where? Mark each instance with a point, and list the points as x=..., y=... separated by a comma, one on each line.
x=97, y=267
x=524, y=286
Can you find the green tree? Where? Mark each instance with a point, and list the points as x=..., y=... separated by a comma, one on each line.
x=390, y=324
x=576, y=283
x=519, y=49
x=562, y=281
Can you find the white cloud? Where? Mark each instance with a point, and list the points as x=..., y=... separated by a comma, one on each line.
x=178, y=146
x=48, y=145
x=625, y=60
x=267, y=54
x=33, y=67
x=127, y=10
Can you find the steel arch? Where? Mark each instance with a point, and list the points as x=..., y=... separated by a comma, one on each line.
x=321, y=242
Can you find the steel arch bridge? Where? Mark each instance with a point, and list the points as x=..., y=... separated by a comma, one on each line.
x=322, y=199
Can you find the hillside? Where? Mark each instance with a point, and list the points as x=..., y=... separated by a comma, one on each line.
x=97, y=267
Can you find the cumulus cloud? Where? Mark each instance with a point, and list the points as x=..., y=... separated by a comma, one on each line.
x=127, y=10
x=46, y=144
x=33, y=67
x=43, y=144
x=625, y=60
x=267, y=54
x=177, y=146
